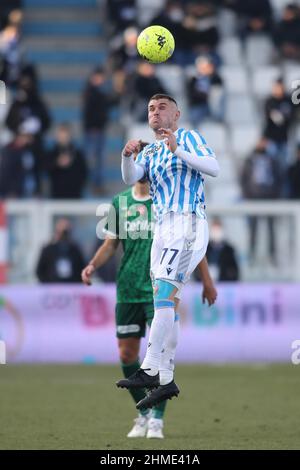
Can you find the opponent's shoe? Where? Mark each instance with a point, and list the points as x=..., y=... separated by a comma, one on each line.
x=163, y=392
x=140, y=426
x=139, y=380
x=155, y=427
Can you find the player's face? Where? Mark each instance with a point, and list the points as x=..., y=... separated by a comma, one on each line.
x=162, y=113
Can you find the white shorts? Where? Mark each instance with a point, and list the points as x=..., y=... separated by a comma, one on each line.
x=179, y=244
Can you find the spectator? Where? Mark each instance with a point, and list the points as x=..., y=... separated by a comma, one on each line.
x=10, y=54
x=125, y=55
x=221, y=256
x=96, y=105
x=200, y=30
x=66, y=166
x=29, y=107
x=260, y=179
x=294, y=177
x=7, y=7
x=171, y=17
x=201, y=88
x=144, y=85
x=122, y=14
x=61, y=260
x=124, y=59
x=254, y=16
x=279, y=114
x=287, y=33
x=19, y=166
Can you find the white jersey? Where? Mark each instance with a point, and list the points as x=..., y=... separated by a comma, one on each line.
x=174, y=186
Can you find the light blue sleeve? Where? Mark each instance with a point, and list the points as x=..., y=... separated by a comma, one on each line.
x=196, y=143
x=142, y=161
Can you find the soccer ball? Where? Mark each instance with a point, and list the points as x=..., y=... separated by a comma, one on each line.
x=155, y=44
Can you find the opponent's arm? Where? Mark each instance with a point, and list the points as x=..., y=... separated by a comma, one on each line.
x=103, y=254
x=209, y=291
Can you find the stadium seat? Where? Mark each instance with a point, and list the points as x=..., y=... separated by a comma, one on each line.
x=227, y=23
x=230, y=51
x=140, y=131
x=297, y=133
x=278, y=6
x=235, y=79
x=263, y=79
x=244, y=138
x=240, y=109
x=147, y=10
x=291, y=74
x=228, y=169
x=259, y=51
x=223, y=192
x=215, y=135
x=172, y=78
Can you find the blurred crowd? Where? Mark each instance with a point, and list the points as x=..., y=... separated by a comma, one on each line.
x=269, y=172
x=45, y=158
x=42, y=158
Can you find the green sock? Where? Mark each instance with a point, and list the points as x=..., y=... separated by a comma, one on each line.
x=139, y=393
x=159, y=410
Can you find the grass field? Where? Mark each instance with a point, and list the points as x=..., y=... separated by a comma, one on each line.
x=79, y=407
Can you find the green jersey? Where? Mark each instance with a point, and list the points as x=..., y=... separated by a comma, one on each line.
x=130, y=219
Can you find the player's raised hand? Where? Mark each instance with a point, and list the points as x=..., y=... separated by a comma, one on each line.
x=209, y=293
x=132, y=146
x=87, y=273
x=170, y=138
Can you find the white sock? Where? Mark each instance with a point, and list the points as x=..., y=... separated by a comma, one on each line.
x=166, y=366
x=161, y=326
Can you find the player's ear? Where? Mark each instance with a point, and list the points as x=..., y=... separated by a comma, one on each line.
x=177, y=116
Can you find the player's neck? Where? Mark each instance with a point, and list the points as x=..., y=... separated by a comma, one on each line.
x=141, y=190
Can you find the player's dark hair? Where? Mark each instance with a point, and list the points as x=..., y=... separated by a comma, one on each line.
x=161, y=96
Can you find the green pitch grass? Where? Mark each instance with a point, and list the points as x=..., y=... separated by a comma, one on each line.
x=79, y=407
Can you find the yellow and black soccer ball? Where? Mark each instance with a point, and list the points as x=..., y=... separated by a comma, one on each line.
x=155, y=44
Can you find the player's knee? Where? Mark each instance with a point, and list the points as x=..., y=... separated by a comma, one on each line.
x=127, y=354
x=164, y=293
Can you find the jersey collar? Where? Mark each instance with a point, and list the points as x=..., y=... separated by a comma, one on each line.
x=139, y=198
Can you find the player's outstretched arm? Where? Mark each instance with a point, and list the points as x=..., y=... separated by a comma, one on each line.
x=131, y=172
x=205, y=164
x=209, y=292
x=106, y=251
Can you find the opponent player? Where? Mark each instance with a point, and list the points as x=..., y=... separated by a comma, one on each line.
x=134, y=309
x=174, y=165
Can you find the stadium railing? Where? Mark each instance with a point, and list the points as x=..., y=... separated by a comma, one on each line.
x=30, y=226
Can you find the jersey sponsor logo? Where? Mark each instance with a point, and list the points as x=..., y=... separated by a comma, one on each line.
x=123, y=329
x=139, y=226
x=153, y=149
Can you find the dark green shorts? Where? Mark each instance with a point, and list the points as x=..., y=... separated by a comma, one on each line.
x=131, y=319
